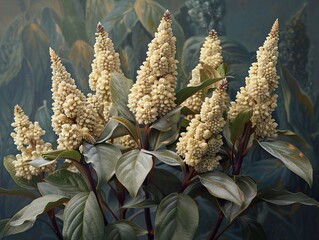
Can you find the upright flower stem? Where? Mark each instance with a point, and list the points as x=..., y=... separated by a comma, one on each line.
x=147, y=212
x=217, y=225
x=238, y=160
x=54, y=224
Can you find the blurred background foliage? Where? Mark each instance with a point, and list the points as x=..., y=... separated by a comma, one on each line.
x=29, y=27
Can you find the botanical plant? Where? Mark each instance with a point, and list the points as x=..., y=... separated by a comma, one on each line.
x=132, y=149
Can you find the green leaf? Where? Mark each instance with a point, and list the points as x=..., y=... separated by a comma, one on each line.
x=48, y=189
x=20, y=181
x=112, y=130
x=292, y=157
x=69, y=183
x=17, y=192
x=165, y=181
x=146, y=203
x=249, y=188
x=159, y=139
x=132, y=169
x=169, y=157
x=25, y=218
x=103, y=158
x=222, y=186
x=138, y=230
x=166, y=123
x=63, y=154
x=82, y=218
x=3, y=223
x=251, y=229
x=284, y=197
x=292, y=135
x=177, y=217
x=129, y=126
x=120, y=231
x=238, y=125
x=187, y=92
x=120, y=88
x=120, y=21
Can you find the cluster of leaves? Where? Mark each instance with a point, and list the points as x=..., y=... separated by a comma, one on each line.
x=69, y=26
x=114, y=185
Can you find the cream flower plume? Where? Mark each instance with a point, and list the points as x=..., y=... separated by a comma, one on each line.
x=106, y=61
x=200, y=144
x=27, y=138
x=70, y=109
x=210, y=55
x=153, y=94
x=260, y=85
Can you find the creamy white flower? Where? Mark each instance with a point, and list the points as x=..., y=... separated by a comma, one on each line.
x=153, y=94
x=200, y=144
x=27, y=138
x=258, y=94
x=210, y=56
x=106, y=61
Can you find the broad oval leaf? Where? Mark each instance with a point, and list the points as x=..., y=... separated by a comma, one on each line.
x=103, y=158
x=69, y=183
x=222, y=186
x=292, y=157
x=166, y=123
x=120, y=88
x=251, y=228
x=25, y=218
x=159, y=139
x=63, y=154
x=120, y=231
x=238, y=125
x=249, y=188
x=177, y=217
x=112, y=130
x=132, y=168
x=166, y=156
x=129, y=126
x=20, y=181
x=82, y=218
x=187, y=92
x=138, y=230
x=284, y=197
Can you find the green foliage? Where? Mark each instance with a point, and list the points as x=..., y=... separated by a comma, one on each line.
x=25, y=218
x=82, y=218
x=177, y=217
x=292, y=157
x=103, y=188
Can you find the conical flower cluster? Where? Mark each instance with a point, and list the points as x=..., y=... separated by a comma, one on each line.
x=200, y=144
x=27, y=138
x=210, y=56
x=73, y=120
x=153, y=94
x=106, y=61
x=260, y=85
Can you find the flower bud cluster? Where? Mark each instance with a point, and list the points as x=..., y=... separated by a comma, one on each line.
x=27, y=138
x=153, y=94
x=71, y=112
x=201, y=142
x=260, y=85
x=211, y=56
x=106, y=61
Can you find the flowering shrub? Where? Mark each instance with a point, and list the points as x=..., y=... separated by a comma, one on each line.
x=129, y=149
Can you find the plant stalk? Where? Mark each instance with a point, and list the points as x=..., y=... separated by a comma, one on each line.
x=217, y=225
x=54, y=224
